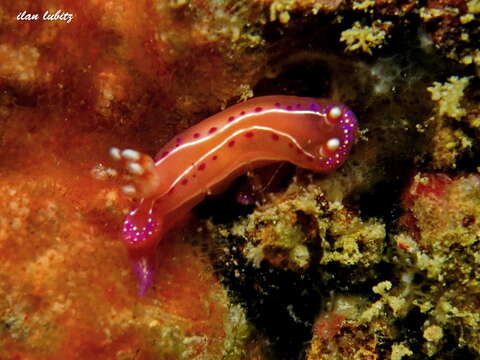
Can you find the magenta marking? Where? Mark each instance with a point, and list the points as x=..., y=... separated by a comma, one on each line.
x=231, y=143
x=212, y=130
x=258, y=109
x=184, y=181
x=196, y=135
x=275, y=137
x=201, y=166
x=289, y=107
x=215, y=157
x=231, y=118
x=249, y=134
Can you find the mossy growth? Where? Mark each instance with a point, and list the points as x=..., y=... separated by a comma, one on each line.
x=449, y=141
x=365, y=38
x=444, y=248
x=299, y=227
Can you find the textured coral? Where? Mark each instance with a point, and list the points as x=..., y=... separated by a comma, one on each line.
x=449, y=142
x=442, y=219
x=377, y=260
x=66, y=289
x=365, y=37
x=344, y=332
x=282, y=231
x=280, y=9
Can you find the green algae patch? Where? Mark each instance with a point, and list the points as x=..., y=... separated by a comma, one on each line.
x=448, y=96
x=454, y=111
x=365, y=38
x=353, y=241
x=285, y=231
x=443, y=245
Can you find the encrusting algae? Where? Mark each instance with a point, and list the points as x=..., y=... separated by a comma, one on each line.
x=376, y=260
x=450, y=141
x=365, y=38
x=441, y=218
x=282, y=231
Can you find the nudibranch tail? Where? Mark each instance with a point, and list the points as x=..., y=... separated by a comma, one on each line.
x=144, y=269
x=142, y=230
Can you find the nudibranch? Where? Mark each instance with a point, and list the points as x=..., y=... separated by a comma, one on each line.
x=314, y=134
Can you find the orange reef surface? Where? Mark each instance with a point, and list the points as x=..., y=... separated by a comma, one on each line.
x=376, y=260
x=66, y=288
x=69, y=91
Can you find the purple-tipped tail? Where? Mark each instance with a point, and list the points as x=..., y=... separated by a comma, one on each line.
x=144, y=269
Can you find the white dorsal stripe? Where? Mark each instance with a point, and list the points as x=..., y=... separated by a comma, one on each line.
x=234, y=123
x=235, y=134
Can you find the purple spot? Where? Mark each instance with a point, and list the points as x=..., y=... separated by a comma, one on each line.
x=258, y=109
x=184, y=182
x=164, y=154
x=196, y=135
x=171, y=190
x=242, y=113
x=177, y=145
x=231, y=118
x=212, y=130
x=179, y=140
x=275, y=137
x=277, y=104
x=314, y=107
x=201, y=166
x=289, y=107
x=231, y=143
x=249, y=134
x=299, y=106
x=215, y=157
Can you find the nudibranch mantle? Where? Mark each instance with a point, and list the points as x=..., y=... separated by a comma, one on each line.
x=314, y=134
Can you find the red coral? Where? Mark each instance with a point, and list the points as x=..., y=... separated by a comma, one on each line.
x=430, y=185
x=423, y=185
x=329, y=325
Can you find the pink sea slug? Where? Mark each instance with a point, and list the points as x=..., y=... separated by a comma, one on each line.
x=314, y=134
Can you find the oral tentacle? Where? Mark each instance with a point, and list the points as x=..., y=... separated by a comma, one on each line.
x=141, y=169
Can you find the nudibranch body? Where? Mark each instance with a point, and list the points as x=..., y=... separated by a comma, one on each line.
x=314, y=134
